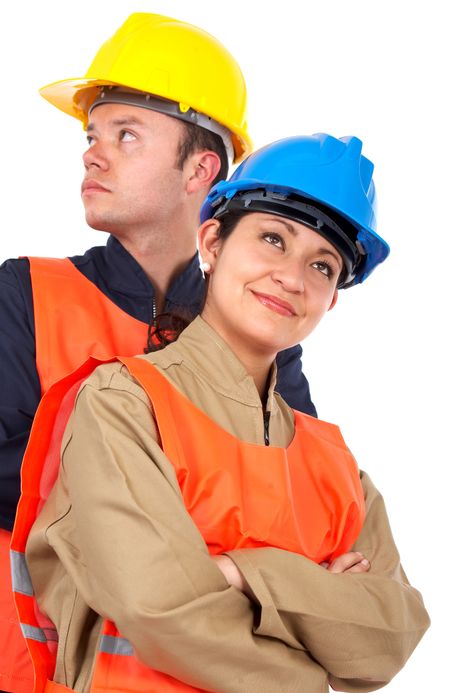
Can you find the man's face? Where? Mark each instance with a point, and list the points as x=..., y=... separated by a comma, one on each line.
x=131, y=178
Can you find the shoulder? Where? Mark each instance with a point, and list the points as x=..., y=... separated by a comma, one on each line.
x=16, y=296
x=114, y=378
x=15, y=272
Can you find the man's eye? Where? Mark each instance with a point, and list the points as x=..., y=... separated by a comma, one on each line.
x=274, y=239
x=126, y=136
x=90, y=140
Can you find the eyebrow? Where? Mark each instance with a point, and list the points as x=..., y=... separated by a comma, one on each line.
x=119, y=122
x=293, y=231
x=285, y=223
x=333, y=253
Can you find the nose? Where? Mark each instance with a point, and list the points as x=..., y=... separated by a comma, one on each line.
x=96, y=157
x=290, y=276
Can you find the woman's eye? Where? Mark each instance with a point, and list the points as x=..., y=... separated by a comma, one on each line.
x=325, y=268
x=274, y=239
x=126, y=136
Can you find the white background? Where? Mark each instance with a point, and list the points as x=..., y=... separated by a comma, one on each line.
x=378, y=363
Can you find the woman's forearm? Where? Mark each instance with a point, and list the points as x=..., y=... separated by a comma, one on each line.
x=360, y=627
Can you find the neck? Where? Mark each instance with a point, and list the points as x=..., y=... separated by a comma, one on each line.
x=162, y=254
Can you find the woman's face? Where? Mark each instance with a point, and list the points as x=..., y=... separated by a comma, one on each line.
x=271, y=282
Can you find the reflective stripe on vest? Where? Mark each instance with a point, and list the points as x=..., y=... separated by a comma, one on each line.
x=21, y=581
x=309, y=500
x=115, y=645
x=39, y=472
x=73, y=320
x=16, y=671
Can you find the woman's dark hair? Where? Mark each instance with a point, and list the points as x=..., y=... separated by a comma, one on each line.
x=167, y=327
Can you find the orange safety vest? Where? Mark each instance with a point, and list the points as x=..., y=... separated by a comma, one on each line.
x=73, y=320
x=306, y=498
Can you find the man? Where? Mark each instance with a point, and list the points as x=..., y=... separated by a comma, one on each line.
x=164, y=104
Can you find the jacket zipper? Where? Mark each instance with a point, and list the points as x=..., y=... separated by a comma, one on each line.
x=266, y=427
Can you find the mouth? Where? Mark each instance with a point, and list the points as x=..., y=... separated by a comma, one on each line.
x=278, y=305
x=89, y=187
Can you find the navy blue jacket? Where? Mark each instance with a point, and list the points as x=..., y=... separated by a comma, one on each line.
x=117, y=274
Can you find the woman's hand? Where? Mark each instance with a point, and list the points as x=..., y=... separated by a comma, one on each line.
x=232, y=574
x=351, y=562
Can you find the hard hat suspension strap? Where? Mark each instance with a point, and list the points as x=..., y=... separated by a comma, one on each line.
x=131, y=97
x=341, y=233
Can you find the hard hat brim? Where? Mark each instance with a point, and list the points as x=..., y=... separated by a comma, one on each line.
x=71, y=95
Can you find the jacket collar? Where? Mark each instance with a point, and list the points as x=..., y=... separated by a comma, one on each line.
x=210, y=358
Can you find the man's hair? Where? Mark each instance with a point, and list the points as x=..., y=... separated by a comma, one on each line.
x=197, y=139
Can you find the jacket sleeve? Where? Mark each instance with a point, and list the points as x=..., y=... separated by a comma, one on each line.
x=291, y=381
x=135, y=556
x=19, y=381
x=360, y=627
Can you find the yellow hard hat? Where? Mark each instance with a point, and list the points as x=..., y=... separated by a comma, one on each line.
x=169, y=59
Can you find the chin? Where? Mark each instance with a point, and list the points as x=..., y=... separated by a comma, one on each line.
x=271, y=339
x=100, y=224
x=270, y=347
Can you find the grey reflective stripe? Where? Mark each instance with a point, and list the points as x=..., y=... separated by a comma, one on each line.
x=33, y=633
x=118, y=646
x=39, y=634
x=21, y=580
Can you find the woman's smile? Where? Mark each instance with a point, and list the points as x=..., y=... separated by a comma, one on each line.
x=275, y=303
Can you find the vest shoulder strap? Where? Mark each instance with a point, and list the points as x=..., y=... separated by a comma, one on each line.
x=75, y=320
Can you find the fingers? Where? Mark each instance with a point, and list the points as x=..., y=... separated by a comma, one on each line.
x=361, y=567
x=351, y=562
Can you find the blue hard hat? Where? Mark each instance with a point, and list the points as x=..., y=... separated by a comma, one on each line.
x=318, y=180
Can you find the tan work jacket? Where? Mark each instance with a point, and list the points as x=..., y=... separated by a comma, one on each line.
x=115, y=539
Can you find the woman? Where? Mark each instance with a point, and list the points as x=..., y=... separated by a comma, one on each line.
x=229, y=539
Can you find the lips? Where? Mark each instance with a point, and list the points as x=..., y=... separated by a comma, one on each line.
x=92, y=186
x=278, y=305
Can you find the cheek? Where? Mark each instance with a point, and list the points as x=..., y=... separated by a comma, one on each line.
x=249, y=264
x=224, y=283
x=226, y=286
x=320, y=304
x=238, y=266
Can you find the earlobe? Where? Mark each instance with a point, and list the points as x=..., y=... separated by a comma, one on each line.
x=334, y=299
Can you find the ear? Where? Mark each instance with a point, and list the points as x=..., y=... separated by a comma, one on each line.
x=209, y=242
x=201, y=168
x=334, y=299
